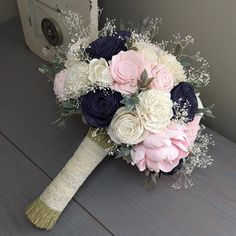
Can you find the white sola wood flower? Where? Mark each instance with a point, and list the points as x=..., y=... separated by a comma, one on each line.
x=77, y=83
x=126, y=127
x=149, y=51
x=173, y=65
x=99, y=72
x=154, y=109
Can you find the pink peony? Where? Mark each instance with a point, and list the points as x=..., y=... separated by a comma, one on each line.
x=163, y=150
x=59, y=84
x=163, y=79
x=126, y=68
x=192, y=128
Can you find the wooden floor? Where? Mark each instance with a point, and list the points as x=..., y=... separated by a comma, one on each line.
x=112, y=201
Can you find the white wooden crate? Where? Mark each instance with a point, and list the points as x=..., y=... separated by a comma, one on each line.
x=34, y=12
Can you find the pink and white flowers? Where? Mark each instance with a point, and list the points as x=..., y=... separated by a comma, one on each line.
x=173, y=66
x=158, y=143
x=153, y=119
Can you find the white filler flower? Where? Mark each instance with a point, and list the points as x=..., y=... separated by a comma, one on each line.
x=173, y=65
x=99, y=72
x=126, y=127
x=72, y=54
x=77, y=82
x=154, y=109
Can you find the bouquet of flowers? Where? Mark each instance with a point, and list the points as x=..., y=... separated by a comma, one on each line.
x=140, y=99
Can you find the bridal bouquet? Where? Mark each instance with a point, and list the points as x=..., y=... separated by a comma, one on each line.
x=141, y=101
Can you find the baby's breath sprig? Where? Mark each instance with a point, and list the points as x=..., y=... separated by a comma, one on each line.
x=108, y=29
x=198, y=158
x=181, y=111
x=196, y=66
x=75, y=24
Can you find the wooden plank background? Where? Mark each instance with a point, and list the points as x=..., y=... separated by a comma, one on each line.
x=112, y=201
x=20, y=182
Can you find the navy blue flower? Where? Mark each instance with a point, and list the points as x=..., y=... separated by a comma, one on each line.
x=99, y=107
x=184, y=95
x=108, y=46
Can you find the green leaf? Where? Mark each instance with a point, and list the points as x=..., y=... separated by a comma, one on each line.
x=144, y=81
x=60, y=122
x=148, y=82
x=178, y=50
x=207, y=111
x=185, y=63
x=46, y=70
x=144, y=76
x=68, y=105
x=128, y=159
x=148, y=182
x=130, y=101
x=124, y=152
x=122, y=24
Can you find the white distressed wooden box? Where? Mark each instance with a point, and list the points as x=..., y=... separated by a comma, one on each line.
x=42, y=25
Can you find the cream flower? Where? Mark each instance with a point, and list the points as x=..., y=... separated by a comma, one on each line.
x=77, y=82
x=148, y=51
x=154, y=109
x=99, y=72
x=173, y=65
x=126, y=127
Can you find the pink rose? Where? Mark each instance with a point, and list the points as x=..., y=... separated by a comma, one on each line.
x=161, y=151
x=59, y=83
x=126, y=68
x=163, y=78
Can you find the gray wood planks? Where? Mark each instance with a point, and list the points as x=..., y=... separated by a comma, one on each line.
x=20, y=183
x=113, y=193
x=206, y=209
x=29, y=105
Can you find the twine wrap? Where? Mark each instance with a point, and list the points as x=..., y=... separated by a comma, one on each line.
x=45, y=210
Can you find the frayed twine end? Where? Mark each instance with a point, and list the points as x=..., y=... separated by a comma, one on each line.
x=41, y=215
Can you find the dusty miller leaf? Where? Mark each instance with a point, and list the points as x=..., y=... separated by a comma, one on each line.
x=130, y=101
x=144, y=76
x=178, y=50
x=207, y=111
x=124, y=152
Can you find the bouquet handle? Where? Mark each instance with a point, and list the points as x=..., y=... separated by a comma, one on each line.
x=47, y=208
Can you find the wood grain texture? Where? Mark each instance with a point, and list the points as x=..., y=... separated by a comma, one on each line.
x=206, y=209
x=113, y=193
x=20, y=183
x=29, y=107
